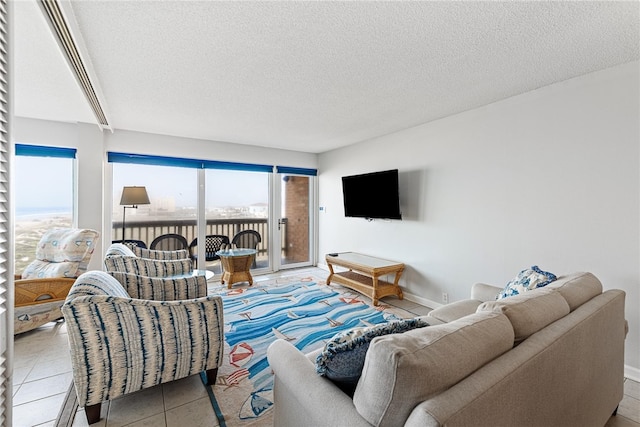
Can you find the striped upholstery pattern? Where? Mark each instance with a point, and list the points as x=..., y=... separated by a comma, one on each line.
x=162, y=289
x=148, y=267
x=119, y=249
x=119, y=344
x=153, y=254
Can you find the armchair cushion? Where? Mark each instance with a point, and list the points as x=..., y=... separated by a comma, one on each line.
x=162, y=288
x=165, y=255
x=148, y=267
x=119, y=249
x=44, y=270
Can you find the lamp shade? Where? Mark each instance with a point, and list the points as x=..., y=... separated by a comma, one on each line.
x=134, y=196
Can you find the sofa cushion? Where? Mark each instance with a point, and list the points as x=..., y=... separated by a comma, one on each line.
x=577, y=288
x=531, y=311
x=343, y=355
x=402, y=370
x=526, y=280
x=450, y=312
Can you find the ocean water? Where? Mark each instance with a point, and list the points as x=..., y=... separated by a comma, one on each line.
x=39, y=212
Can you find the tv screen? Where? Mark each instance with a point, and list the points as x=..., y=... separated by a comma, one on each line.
x=372, y=195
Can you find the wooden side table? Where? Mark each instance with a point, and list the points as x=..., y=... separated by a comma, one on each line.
x=236, y=264
x=363, y=275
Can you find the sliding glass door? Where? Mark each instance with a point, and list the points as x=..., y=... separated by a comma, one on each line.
x=237, y=201
x=295, y=223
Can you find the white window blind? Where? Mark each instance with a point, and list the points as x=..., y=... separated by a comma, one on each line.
x=6, y=258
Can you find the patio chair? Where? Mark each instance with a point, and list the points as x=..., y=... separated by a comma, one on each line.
x=169, y=242
x=248, y=239
x=150, y=331
x=213, y=243
x=61, y=255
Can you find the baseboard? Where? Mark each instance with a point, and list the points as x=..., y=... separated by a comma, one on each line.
x=422, y=301
x=632, y=373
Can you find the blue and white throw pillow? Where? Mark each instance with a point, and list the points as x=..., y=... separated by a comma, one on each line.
x=343, y=356
x=526, y=280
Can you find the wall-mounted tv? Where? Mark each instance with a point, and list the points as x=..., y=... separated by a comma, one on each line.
x=372, y=195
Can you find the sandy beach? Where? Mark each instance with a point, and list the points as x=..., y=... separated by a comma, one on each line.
x=28, y=232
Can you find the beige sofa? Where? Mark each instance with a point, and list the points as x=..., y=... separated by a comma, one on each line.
x=552, y=356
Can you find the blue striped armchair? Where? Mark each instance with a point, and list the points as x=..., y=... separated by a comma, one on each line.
x=130, y=332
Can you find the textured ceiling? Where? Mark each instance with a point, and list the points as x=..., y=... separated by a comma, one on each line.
x=314, y=76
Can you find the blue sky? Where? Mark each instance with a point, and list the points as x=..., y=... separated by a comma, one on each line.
x=48, y=182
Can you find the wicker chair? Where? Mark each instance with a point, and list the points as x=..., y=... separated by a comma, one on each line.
x=129, y=332
x=61, y=255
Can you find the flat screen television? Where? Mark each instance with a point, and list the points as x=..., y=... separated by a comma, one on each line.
x=372, y=195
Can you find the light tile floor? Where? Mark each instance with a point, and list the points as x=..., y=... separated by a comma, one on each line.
x=42, y=374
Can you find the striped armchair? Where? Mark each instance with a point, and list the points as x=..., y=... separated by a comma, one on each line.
x=120, y=344
x=124, y=250
x=147, y=262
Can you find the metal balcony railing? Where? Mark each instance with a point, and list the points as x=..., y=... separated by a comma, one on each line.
x=147, y=230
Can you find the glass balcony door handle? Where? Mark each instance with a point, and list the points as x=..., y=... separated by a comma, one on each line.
x=282, y=221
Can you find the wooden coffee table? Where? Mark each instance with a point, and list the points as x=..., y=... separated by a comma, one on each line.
x=236, y=264
x=363, y=274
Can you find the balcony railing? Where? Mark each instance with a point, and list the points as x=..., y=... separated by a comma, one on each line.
x=147, y=230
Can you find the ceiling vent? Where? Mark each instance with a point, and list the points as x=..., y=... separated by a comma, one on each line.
x=60, y=27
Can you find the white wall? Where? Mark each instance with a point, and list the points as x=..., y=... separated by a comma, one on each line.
x=550, y=178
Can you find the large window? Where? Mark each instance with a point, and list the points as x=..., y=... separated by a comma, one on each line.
x=197, y=199
x=237, y=201
x=173, y=207
x=44, y=191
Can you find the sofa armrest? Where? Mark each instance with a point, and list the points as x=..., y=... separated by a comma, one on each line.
x=302, y=397
x=121, y=345
x=484, y=292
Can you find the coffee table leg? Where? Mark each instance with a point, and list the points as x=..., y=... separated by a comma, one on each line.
x=374, y=290
x=330, y=273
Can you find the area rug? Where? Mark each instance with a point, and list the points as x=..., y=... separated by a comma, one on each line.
x=305, y=313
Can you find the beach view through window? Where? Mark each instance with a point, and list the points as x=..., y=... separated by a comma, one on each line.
x=43, y=200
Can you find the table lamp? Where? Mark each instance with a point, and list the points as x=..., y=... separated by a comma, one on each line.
x=133, y=196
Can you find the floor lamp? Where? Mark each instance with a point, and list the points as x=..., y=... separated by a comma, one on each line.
x=133, y=196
